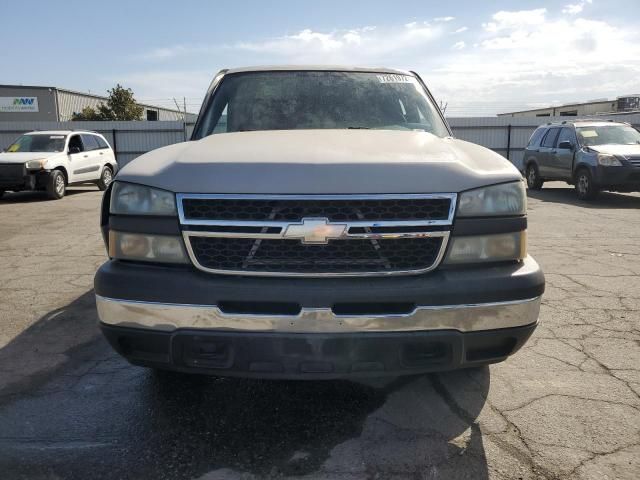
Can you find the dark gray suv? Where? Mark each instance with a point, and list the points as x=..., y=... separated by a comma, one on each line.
x=593, y=155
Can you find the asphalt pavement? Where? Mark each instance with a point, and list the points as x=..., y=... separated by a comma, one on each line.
x=566, y=406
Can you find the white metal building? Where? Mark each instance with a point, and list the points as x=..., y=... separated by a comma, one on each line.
x=37, y=103
x=602, y=106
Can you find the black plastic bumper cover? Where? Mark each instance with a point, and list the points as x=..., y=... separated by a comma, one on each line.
x=314, y=356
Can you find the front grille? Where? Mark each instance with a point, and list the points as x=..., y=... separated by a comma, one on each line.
x=337, y=257
x=316, y=235
x=635, y=161
x=12, y=171
x=293, y=210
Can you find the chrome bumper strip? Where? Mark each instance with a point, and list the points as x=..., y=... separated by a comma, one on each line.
x=464, y=318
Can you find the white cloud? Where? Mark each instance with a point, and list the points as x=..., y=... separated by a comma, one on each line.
x=505, y=20
x=444, y=19
x=575, y=8
x=513, y=61
x=351, y=46
x=519, y=60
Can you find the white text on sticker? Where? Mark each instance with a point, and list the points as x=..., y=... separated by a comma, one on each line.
x=393, y=78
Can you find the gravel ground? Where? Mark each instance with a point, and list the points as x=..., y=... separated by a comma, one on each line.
x=566, y=406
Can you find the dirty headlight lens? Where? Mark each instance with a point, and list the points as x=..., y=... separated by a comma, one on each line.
x=607, y=160
x=487, y=248
x=36, y=164
x=146, y=248
x=132, y=199
x=504, y=199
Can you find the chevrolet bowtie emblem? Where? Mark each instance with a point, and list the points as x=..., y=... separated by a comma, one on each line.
x=316, y=231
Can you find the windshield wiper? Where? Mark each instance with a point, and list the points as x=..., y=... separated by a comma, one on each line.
x=358, y=128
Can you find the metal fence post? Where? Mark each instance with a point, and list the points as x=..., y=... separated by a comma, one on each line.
x=115, y=143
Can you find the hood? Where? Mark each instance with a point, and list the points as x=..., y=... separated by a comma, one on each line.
x=21, y=157
x=616, y=149
x=320, y=162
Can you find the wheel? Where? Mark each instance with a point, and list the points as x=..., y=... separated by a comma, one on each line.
x=106, y=177
x=585, y=187
x=56, y=187
x=534, y=182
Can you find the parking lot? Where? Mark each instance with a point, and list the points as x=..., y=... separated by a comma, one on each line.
x=566, y=406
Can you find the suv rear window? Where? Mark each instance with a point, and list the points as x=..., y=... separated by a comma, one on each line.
x=550, y=138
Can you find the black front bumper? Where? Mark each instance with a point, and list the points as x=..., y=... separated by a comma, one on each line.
x=275, y=354
x=314, y=356
x=624, y=178
x=16, y=178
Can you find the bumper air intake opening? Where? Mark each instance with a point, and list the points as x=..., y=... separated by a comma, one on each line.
x=424, y=354
x=386, y=308
x=207, y=352
x=147, y=348
x=259, y=308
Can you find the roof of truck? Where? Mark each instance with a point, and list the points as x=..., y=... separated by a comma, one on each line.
x=325, y=68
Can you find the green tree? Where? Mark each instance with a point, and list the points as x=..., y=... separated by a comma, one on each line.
x=121, y=105
x=87, y=114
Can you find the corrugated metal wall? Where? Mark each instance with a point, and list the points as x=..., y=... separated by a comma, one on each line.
x=70, y=103
x=507, y=136
x=73, y=102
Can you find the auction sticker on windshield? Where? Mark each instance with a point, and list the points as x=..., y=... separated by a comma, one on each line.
x=394, y=78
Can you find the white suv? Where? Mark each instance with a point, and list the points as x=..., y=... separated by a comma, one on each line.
x=53, y=160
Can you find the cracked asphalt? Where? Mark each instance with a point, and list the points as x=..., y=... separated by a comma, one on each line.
x=567, y=406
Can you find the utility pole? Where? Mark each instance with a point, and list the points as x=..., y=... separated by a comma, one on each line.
x=184, y=102
x=443, y=106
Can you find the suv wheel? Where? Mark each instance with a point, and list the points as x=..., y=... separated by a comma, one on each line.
x=585, y=188
x=534, y=182
x=56, y=187
x=105, y=178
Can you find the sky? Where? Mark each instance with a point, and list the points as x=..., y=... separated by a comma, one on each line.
x=478, y=58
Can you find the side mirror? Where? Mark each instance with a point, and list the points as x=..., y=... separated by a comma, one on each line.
x=565, y=145
x=73, y=150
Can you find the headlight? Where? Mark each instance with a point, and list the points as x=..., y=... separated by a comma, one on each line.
x=132, y=199
x=146, y=248
x=36, y=164
x=504, y=199
x=487, y=248
x=608, y=160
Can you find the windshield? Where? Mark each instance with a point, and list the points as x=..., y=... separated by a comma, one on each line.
x=608, y=135
x=291, y=100
x=38, y=143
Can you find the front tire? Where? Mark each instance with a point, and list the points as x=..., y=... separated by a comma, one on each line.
x=534, y=182
x=585, y=187
x=106, y=177
x=56, y=186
